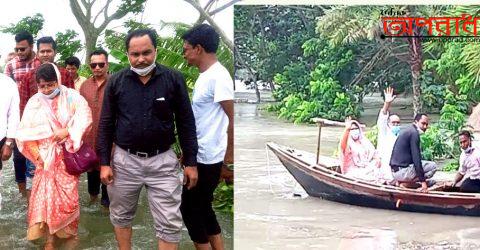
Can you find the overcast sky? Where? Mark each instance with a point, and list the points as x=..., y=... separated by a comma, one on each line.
x=58, y=17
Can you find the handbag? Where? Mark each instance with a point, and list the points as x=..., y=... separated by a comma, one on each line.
x=81, y=161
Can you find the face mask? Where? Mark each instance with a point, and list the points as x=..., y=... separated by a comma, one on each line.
x=146, y=70
x=355, y=134
x=396, y=130
x=52, y=95
x=468, y=150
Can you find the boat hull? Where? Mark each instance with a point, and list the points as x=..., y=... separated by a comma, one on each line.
x=327, y=184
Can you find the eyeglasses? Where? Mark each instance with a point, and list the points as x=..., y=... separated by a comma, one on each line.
x=94, y=65
x=47, y=85
x=20, y=49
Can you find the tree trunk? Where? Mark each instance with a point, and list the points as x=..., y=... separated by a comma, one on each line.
x=272, y=86
x=257, y=91
x=416, y=54
x=90, y=44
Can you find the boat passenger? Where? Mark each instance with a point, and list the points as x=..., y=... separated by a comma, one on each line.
x=358, y=157
x=469, y=165
x=406, y=161
x=388, y=125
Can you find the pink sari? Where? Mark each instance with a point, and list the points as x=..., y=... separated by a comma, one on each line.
x=54, y=194
x=360, y=160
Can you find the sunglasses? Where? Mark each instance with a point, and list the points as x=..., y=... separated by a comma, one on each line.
x=20, y=49
x=94, y=65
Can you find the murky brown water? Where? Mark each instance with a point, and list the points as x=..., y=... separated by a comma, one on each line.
x=95, y=230
x=273, y=212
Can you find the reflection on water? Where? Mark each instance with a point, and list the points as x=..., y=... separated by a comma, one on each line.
x=273, y=212
x=95, y=230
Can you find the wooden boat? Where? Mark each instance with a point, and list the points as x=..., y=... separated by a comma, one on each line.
x=320, y=177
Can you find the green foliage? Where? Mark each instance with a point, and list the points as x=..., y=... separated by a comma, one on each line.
x=223, y=200
x=268, y=38
x=323, y=96
x=372, y=135
x=437, y=143
x=67, y=44
x=451, y=166
x=32, y=24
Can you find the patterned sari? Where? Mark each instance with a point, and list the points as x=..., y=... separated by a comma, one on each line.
x=359, y=159
x=54, y=196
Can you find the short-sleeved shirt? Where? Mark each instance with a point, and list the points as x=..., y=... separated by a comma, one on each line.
x=212, y=86
x=470, y=163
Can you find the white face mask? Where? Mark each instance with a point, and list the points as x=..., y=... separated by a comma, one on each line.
x=146, y=70
x=355, y=134
x=52, y=95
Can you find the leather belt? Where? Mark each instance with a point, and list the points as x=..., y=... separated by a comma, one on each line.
x=147, y=154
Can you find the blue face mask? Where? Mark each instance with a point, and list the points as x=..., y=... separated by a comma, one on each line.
x=52, y=95
x=396, y=130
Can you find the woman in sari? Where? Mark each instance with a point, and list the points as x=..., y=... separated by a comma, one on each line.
x=54, y=117
x=358, y=157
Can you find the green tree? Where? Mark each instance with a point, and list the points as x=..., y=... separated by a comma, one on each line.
x=93, y=24
x=67, y=44
x=32, y=24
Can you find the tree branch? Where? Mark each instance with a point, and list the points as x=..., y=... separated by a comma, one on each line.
x=205, y=15
x=215, y=11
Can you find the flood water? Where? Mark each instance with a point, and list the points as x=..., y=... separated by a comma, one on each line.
x=95, y=230
x=273, y=212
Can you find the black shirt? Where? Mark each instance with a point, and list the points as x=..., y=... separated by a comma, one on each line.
x=406, y=151
x=140, y=117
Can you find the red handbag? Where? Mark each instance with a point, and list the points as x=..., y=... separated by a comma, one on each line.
x=81, y=161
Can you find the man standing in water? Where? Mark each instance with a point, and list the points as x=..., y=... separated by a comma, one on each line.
x=406, y=161
x=212, y=104
x=24, y=62
x=142, y=106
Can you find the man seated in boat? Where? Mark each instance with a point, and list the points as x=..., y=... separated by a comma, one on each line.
x=358, y=157
x=388, y=125
x=469, y=165
x=406, y=161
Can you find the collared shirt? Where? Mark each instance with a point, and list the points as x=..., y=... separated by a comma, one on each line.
x=93, y=93
x=17, y=69
x=470, y=163
x=407, y=151
x=28, y=85
x=141, y=117
x=212, y=86
x=78, y=82
x=9, y=113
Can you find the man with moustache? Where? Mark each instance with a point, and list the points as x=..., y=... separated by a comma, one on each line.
x=46, y=50
x=92, y=90
x=469, y=170
x=406, y=161
x=17, y=68
x=141, y=108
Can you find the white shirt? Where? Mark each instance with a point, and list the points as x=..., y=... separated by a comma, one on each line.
x=9, y=107
x=385, y=142
x=212, y=86
x=470, y=164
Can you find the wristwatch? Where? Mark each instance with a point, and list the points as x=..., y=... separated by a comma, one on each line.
x=9, y=144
